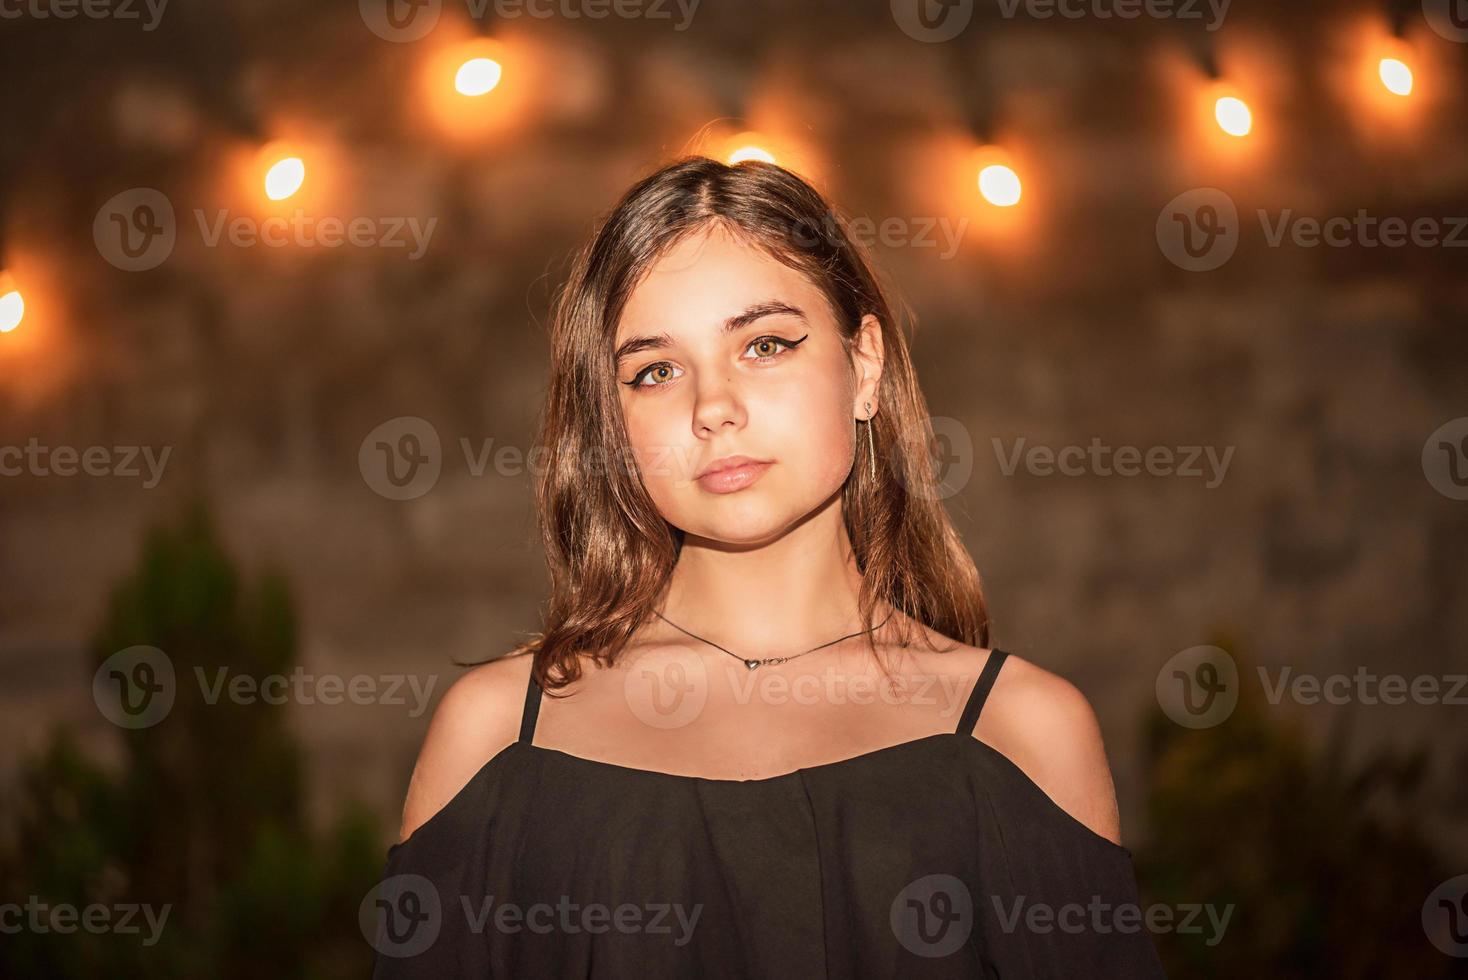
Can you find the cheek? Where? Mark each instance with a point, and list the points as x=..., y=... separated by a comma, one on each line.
x=665, y=451
x=837, y=446
x=810, y=429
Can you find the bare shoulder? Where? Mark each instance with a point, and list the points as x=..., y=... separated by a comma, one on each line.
x=1044, y=725
x=476, y=717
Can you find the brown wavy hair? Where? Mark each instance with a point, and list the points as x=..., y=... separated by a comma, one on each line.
x=609, y=550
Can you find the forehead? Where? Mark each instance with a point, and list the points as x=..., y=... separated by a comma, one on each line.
x=708, y=276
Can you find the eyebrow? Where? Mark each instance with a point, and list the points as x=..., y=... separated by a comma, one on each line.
x=635, y=345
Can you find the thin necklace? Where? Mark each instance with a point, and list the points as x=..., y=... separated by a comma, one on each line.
x=753, y=663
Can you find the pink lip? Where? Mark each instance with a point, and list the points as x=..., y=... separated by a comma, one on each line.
x=733, y=473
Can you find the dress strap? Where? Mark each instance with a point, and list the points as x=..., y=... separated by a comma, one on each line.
x=980, y=692
x=532, y=709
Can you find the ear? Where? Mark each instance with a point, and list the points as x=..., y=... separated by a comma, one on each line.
x=867, y=358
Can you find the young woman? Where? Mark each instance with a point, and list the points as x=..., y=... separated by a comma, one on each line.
x=762, y=733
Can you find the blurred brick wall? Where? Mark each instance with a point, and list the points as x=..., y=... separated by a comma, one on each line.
x=1321, y=370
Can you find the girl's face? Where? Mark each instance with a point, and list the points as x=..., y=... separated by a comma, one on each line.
x=723, y=351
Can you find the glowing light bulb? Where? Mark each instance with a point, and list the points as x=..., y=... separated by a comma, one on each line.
x=1396, y=76
x=750, y=152
x=12, y=306
x=1000, y=185
x=478, y=76
x=284, y=178
x=1233, y=116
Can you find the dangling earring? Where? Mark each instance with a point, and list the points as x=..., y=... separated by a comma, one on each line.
x=871, y=445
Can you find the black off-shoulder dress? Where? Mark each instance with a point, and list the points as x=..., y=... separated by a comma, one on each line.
x=936, y=857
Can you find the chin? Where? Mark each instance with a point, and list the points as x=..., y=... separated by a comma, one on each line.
x=739, y=522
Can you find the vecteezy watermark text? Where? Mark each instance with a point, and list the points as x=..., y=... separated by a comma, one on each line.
x=64, y=918
x=595, y=917
x=1364, y=687
x=935, y=21
x=404, y=914
x=116, y=461
x=1102, y=917
x=1184, y=10
x=1364, y=230
x=669, y=688
x=1102, y=460
x=405, y=21
x=307, y=231
x=90, y=9
x=300, y=687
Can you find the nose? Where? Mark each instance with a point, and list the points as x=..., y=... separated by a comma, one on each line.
x=718, y=406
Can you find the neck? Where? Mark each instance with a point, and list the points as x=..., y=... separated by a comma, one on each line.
x=777, y=598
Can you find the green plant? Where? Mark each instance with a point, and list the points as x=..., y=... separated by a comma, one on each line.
x=206, y=814
x=1324, y=861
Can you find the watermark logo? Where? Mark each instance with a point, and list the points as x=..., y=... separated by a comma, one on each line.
x=1449, y=18
x=135, y=687
x=950, y=459
x=1445, y=459
x=401, y=916
x=1199, y=687
x=666, y=687
x=400, y=21
x=135, y=230
x=933, y=21
x=1445, y=916
x=402, y=458
x=933, y=916
x=1199, y=229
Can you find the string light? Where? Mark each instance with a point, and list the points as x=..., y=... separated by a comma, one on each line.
x=478, y=76
x=1395, y=75
x=749, y=145
x=284, y=178
x=1000, y=185
x=1233, y=115
x=477, y=87
x=751, y=152
x=12, y=303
